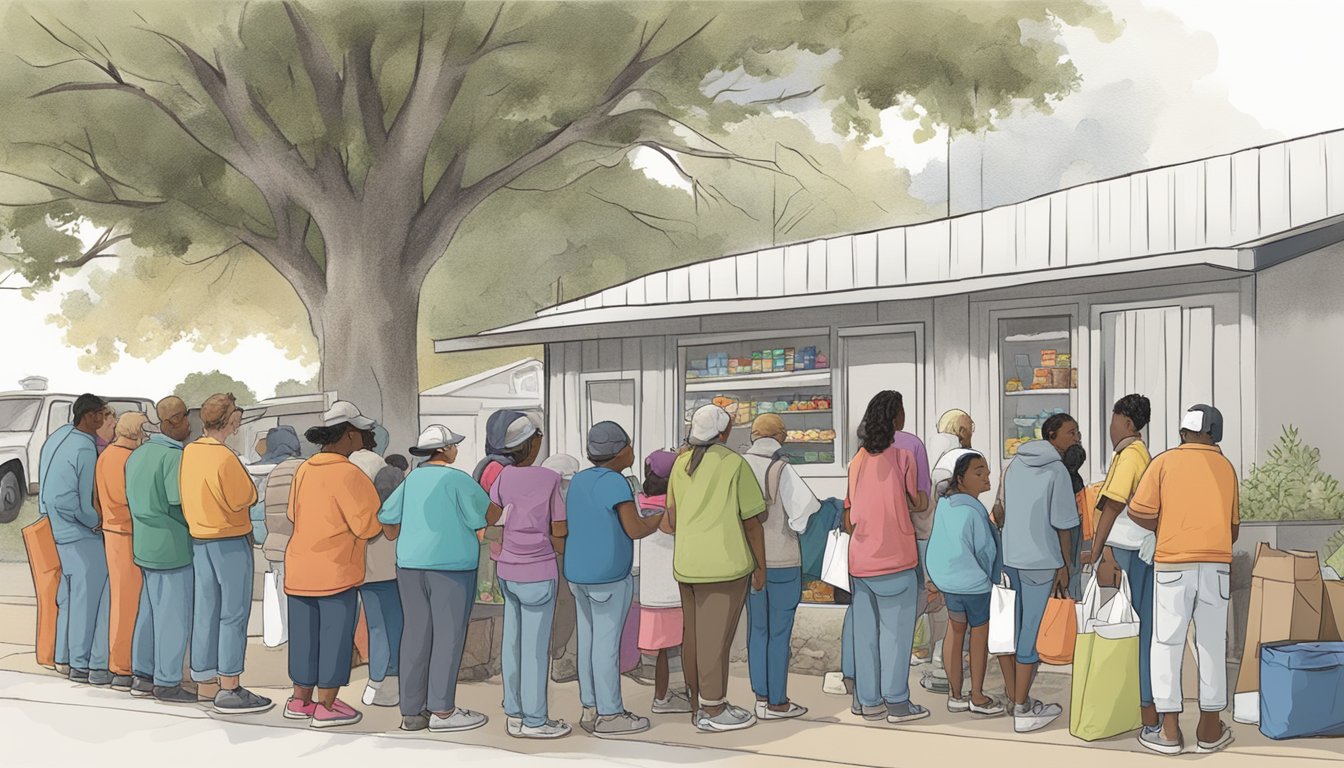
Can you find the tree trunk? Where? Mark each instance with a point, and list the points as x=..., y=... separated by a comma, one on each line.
x=366, y=327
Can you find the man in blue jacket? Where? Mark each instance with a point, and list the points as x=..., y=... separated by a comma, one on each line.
x=66, y=497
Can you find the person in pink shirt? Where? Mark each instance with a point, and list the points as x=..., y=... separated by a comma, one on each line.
x=883, y=562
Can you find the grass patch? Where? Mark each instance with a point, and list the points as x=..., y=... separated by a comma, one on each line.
x=11, y=534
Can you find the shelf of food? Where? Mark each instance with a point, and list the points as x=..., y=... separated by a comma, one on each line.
x=756, y=381
x=1026, y=392
x=809, y=442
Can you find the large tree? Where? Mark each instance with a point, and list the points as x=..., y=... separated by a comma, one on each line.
x=350, y=144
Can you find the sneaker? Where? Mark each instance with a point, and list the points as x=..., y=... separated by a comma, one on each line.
x=100, y=678
x=764, y=712
x=588, y=720
x=241, y=701
x=385, y=694
x=339, y=714
x=1208, y=747
x=122, y=683
x=79, y=675
x=63, y=670
x=905, y=712
x=834, y=684
x=513, y=725
x=552, y=729
x=143, y=687
x=1152, y=738
x=730, y=719
x=934, y=683
x=991, y=709
x=624, y=724
x=957, y=706
x=413, y=723
x=917, y=660
x=173, y=695
x=1034, y=715
x=458, y=720
x=299, y=710
x=675, y=703
x=875, y=712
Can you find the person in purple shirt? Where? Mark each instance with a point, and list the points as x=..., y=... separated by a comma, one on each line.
x=534, y=528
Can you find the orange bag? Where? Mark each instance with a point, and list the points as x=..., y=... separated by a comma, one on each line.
x=1059, y=630
x=45, y=566
x=1087, y=509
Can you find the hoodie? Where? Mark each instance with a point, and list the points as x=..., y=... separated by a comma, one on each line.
x=1038, y=502
x=281, y=443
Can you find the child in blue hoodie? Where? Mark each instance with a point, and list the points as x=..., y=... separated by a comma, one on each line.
x=964, y=563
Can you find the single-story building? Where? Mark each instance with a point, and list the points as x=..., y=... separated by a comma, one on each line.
x=464, y=405
x=1218, y=280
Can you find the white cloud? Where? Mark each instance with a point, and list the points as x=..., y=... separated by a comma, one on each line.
x=657, y=167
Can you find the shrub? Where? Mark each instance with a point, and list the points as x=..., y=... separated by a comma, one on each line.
x=1290, y=485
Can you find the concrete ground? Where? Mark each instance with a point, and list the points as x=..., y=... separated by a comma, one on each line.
x=45, y=720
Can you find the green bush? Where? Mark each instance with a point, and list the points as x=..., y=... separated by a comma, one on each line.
x=1290, y=485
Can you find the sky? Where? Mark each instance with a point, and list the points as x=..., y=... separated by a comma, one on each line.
x=1187, y=79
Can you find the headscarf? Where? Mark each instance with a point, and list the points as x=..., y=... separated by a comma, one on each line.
x=281, y=443
x=496, y=428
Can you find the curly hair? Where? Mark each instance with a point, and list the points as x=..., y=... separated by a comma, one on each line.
x=1136, y=408
x=877, y=430
x=327, y=435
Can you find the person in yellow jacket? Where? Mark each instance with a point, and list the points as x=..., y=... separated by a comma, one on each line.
x=217, y=494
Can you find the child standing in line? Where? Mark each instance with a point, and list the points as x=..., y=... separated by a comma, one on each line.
x=660, y=616
x=964, y=563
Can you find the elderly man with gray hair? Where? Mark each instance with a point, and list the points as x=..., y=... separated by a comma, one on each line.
x=714, y=509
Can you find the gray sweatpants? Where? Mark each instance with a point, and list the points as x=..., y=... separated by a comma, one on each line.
x=437, y=606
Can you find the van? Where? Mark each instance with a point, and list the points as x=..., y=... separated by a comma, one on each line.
x=27, y=417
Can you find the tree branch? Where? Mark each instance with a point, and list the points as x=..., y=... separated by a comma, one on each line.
x=784, y=96
x=370, y=102
x=321, y=70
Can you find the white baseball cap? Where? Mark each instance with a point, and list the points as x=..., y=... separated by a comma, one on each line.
x=708, y=422
x=521, y=429
x=342, y=412
x=435, y=438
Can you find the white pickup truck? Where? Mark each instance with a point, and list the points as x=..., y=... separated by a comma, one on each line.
x=27, y=417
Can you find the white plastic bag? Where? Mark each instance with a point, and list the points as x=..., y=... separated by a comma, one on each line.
x=1114, y=620
x=835, y=563
x=1002, y=619
x=274, y=613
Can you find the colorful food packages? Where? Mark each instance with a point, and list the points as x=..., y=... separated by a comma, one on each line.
x=1048, y=358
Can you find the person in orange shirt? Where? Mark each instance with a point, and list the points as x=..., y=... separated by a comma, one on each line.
x=334, y=507
x=1189, y=496
x=124, y=575
x=217, y=494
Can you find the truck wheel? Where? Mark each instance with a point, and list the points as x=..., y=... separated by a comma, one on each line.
x=11, y=493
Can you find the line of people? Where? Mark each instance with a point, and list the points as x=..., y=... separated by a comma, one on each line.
x=156, y=545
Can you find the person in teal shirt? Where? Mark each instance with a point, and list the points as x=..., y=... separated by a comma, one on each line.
x=435, y=515
x=65, y=496
x=161, y=545
x=964, y=563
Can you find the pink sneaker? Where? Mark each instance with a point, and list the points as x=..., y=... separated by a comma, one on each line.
x=339, y=714
x=297, y=710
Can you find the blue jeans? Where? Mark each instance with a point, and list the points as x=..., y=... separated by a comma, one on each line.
x=1140, y=576
x=1075, y=569
x=322, y=638
x=87, y=601
x=223, y=572
x=529, y=607
x=1033, y=588
x=602, y=609
x=382, y=609
x=770, y=628
x=162, y=625
x=884, y=634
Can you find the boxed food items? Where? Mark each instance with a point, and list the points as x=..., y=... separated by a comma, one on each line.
x=1040, y=378
x=1059, y=378
x=1063, y=359
x=822, y=361
x=755, y=362
x=1073, y=378
x=1048, y=358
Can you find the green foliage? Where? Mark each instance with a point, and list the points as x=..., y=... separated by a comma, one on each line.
x=198, y=386
x=1290, y=485
x=134, y=143
x=292, y=387
x=1332, y=554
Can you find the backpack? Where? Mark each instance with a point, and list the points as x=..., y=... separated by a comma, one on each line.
x=773, y=475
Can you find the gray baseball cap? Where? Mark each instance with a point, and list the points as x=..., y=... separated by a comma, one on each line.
x=606, y=439
x=1206, y=419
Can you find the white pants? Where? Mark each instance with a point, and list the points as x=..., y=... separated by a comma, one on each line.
x=1197, y=591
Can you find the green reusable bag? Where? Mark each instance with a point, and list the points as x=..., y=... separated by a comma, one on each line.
x=1104, y=701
